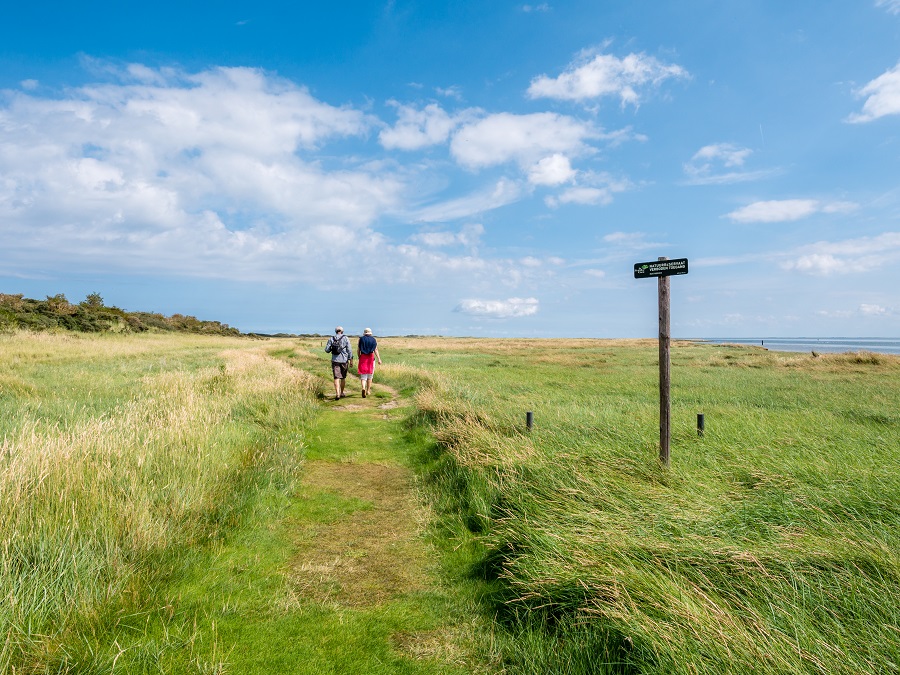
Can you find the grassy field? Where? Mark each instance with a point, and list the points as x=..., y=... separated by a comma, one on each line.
x=125, y=462
x=187, y=504
x=159, y=492
x=771, y=545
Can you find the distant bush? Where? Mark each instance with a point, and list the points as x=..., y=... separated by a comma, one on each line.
x=92, y=316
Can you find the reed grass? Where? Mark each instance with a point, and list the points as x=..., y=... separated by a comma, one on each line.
x=121, y=457
x=771, y=545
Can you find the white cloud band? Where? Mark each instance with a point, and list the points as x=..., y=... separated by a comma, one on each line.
x=499, y=309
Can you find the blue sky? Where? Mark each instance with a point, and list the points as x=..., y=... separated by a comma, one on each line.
x=465, y=168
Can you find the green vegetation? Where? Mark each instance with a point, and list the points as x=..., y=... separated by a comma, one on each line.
x=181, y=504
x=91, y=316
x=771, y=545
x=185, y=503
x=126, y=464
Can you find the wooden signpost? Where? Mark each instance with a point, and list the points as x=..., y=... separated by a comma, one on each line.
x=662, y=269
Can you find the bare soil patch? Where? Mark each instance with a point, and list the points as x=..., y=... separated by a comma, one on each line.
x=371, y=402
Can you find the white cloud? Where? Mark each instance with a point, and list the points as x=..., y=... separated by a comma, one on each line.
x=598, y=189
x=597, y=274
x=836, y=313
x=629, y=238
x=499, y=309
x=416, y=129
x=452, y=91
x=631, y=241
x=839, y=207
x=775, y=211
x=29, y=85
x=892, y=6
x=527, y=139
x=822, y=264
x=726, y=153
x=778, y=211
x=503, y=192
x=469, y=235
x=882, y=97
x=721, y=164
x=872, y=310
x=851, y=256
x=213, y=174
x=553, y=170
x=543, y=7
x=580, y=195
x=593, y=76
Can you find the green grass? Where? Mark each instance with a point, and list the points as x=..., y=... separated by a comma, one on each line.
x=126, y=461
x=156, y=508
x=769, y=546
x=273, y=626
x=158, y=500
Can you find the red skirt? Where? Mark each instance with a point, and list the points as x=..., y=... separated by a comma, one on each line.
x=366, y=364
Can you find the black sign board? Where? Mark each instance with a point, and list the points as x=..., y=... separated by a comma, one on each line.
x=660, y=268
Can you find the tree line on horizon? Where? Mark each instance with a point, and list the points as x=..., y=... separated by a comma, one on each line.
x=91, y=315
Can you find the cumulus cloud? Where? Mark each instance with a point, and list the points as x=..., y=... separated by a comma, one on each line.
x=882, y=97
x=526, y=139
x=499, y=309
x=777, y=211
x=419, y=128
x=851, y=256
x=553, y=170
x=592, y=76
x=219, y=173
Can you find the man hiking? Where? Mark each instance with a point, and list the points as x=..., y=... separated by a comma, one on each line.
x=341, y=360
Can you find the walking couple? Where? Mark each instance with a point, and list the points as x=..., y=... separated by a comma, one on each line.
x=342, y=359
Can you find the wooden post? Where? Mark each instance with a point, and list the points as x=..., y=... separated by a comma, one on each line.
x=665, y=405
x=663, y=268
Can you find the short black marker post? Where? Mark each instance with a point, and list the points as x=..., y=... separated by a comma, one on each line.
x=701, y=424
x=529, y=420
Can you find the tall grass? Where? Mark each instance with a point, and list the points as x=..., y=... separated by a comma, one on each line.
x=119, y=457
x=771, y=545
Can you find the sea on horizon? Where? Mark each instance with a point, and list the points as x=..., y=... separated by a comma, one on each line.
x=808, y=344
